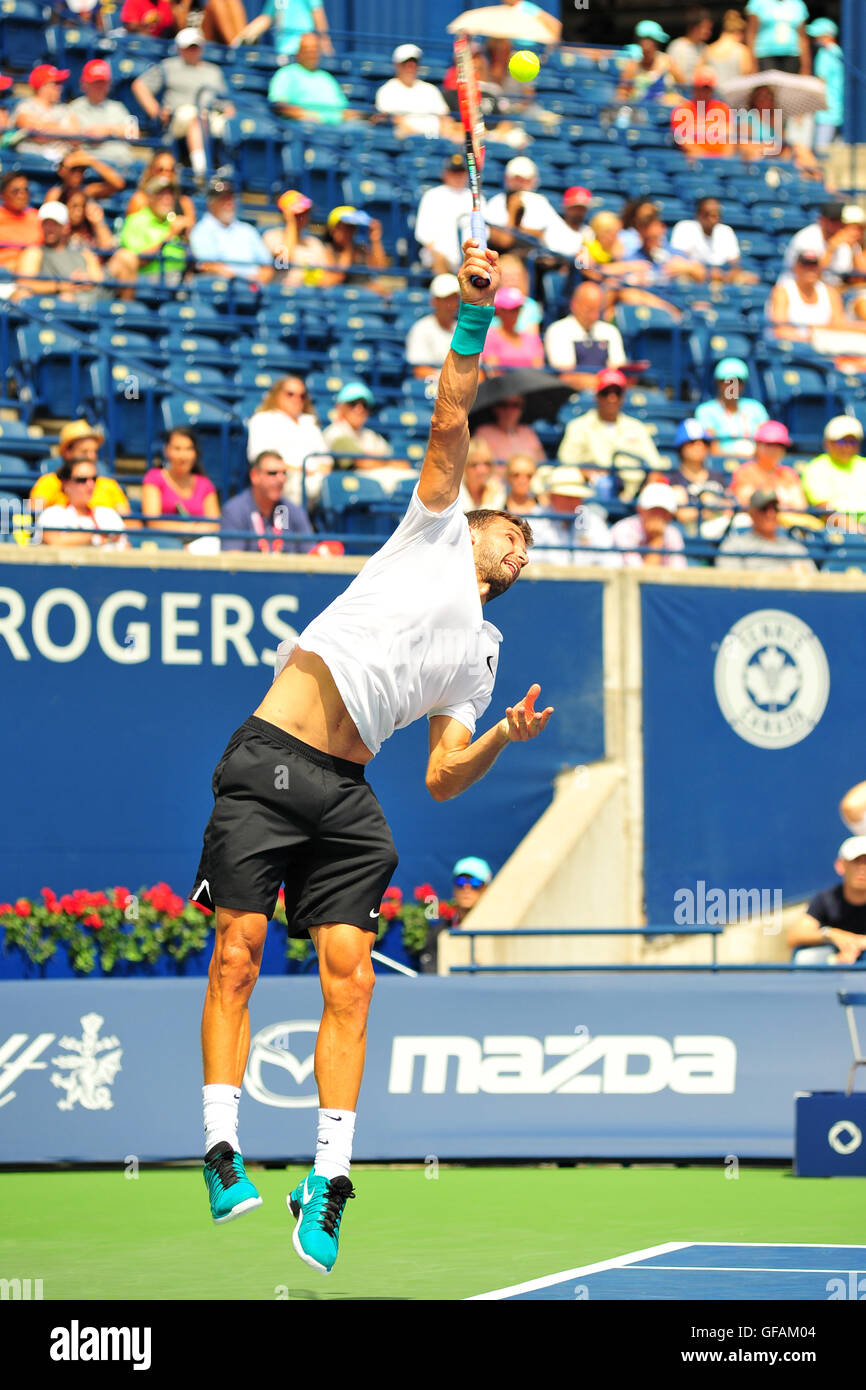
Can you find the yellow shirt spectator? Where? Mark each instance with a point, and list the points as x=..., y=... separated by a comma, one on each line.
x=48, y=490
x=836, y=479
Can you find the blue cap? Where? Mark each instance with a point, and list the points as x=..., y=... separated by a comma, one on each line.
x=822, y=28
x=478, y=868
x=632, y=50
x=690, y=430
x=649, y=29
x=731, y=367
x=355, y=391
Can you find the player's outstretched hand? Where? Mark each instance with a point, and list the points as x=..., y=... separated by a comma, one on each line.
x=523, y=721
x=482, y=263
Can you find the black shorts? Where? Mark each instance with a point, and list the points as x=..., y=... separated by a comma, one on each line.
x=287, y=814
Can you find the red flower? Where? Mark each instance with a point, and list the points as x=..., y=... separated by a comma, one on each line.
x=94, y=921
x=175, y=905
x=5, y=908
x=393, y=895
x=99, y=900
x=389, y=910
x=23, y=907
x=121, y=897
x=67, y=904
x=424, y=891
x=81, y=900
x=50, y=897
x=447, y=912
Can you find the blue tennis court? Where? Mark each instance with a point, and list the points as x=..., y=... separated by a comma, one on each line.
x=685, y=1270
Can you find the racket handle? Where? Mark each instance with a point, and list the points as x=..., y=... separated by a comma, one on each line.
x=478, y=231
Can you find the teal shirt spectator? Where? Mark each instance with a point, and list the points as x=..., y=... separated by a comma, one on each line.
x=750, y=414
x=314, y=91
x=830, y=67
x=291, y=19
x=779, y=23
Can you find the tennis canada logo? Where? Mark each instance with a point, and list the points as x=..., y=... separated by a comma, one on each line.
x=274, y=1064
x=84, y=1073
x=771, y=679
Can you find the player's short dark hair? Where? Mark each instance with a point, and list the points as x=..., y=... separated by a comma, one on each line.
x=480, y=519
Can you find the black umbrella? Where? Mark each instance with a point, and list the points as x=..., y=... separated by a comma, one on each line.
x=543, y=394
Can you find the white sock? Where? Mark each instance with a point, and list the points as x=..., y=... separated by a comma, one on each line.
x=220, y=1116
x=334, y=1144
x=198, y=161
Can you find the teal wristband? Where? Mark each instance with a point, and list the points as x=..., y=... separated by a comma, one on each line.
x=473, y=321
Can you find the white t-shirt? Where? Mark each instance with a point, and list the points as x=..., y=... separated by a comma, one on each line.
x=294, y=441
x=688, y=238
x=422, y=104
x=442, y=222
x=539, y=215
x=561, y=336
x=427, y=343
x=811, y=238
x=408, y=636
x=99, y=519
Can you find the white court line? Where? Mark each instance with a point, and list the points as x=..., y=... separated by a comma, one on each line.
x=615, y=1263
x=741, y=1269
x=781, y=1244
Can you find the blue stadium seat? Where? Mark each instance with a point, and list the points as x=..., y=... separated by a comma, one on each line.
x=127, y=400
x=22, y=33
x=51, y=369
x=652, y=334
x=802, y=398
x=258, y=146
x=17, y=474
x=221, y=434
x=201, y=348
x=130, y=344
x=354, y=505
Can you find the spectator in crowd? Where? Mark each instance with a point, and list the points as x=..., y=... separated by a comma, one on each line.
x=163, y=165
x=69, y=271
x=81, y=522
x=19, y=222
x=290, y=20
x=729, y=56
x=506, y=435
x=688, y=53
x=580, y=535
x=547, y=21
x=601, y=256
x=223, y=245
x=221, y=20
x=576, y=202
x=652, y=529
x=629, y=237
x=442, y=220
x=654, y=76
x=349, y=434
x=429, y=340
x=180, y=490
x=506, y=346
x=802, y=301
x=299, y=258
x=852, y=809
x=712, y=242
x=665, y=263
x=522, y=208
x=768, y=473
x=760, y=545
x=5, y=84
x=71, y=171
x=481, y=486
x=701, y=126
x=701, y=491
x=97, y=115
x=264, y=510
x=184, y=90
x=834, y=237
x=829, y=66
x=156, y=236
x=353, y=239
x=285, y=423
x=833, y=927
x=836, y=479
x=87, y=224
x=583, y=344
x=732, y=418
x=513, y=275
x=470, y=878
x=767, y=138
x=520, y=497
x=302, y=91
x=596, y=438
x=416, y=107
x=44, y=117
x=776, y=35
x=81, y=440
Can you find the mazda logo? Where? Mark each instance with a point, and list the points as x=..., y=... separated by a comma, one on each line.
x=271, y=1049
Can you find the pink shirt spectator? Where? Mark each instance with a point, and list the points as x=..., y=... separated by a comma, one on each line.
x=628, y=535
x=171, y=503
x=500, y=351
x=505, y=444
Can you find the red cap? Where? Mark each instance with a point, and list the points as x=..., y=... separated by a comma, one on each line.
x=328, y=548
x=97, y=70
x=576, y=197
x=46, y=72
x=772, y=432
x=5, y=82
x=610, y=377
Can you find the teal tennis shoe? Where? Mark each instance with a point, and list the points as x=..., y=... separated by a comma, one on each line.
x=230, y=1190
x=318, y=1204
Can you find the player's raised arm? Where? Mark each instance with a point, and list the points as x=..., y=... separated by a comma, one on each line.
x=445, y=459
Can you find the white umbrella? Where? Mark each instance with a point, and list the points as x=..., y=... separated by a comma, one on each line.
x=794, y=95
x=501, y=22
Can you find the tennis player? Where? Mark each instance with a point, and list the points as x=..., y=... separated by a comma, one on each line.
x=407, y=638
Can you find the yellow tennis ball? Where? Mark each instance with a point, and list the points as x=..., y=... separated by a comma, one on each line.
x=524, y=66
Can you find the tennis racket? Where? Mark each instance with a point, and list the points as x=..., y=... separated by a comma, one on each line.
x=473, y=124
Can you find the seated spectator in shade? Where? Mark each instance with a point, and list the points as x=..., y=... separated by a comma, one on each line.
x=654, y=76
x=429, y=340
x=81, y=522
x=299, y=258
x=665, y=263
x=576, y=202
x=688, y=52
x=349, y=434
x=832, y=242
x=470, y=876
x=729, y=56
x=761, y=546
x=523, y=208
x=600, y=255
x=701, y=492
x=506, y=435
x=81, y=440
x=765, y=127
x=353, y=239
x=481, y=486
x=182, y=92
x=44, y=117
x=701, y=126
x=20, y=226
x=71, y=171
x=629, y=237
x=595, y=438
x=222, y=244
x=836, y=479
x=442, y=220
x=833, y=927
x=732, y=418
x=87, y=224
x=583, y=344
x=97, y=115
x=70, y=272
x=581, y=532
x=652, y=529
x=767, y=472
x=180, y=489
x=284, y=423
x=162, y=165
x=520, y=496
x=302, y=91
x=829, y=66
x=709, y=240
x=156, y=236
x=264, y=509
x=416, y=107
x=506, y=347
x=290, y=20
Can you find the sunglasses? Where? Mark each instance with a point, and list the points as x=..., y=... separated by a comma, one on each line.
x=468, y=881
x=84, y=478
x=274, y=472
x=511, y=405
